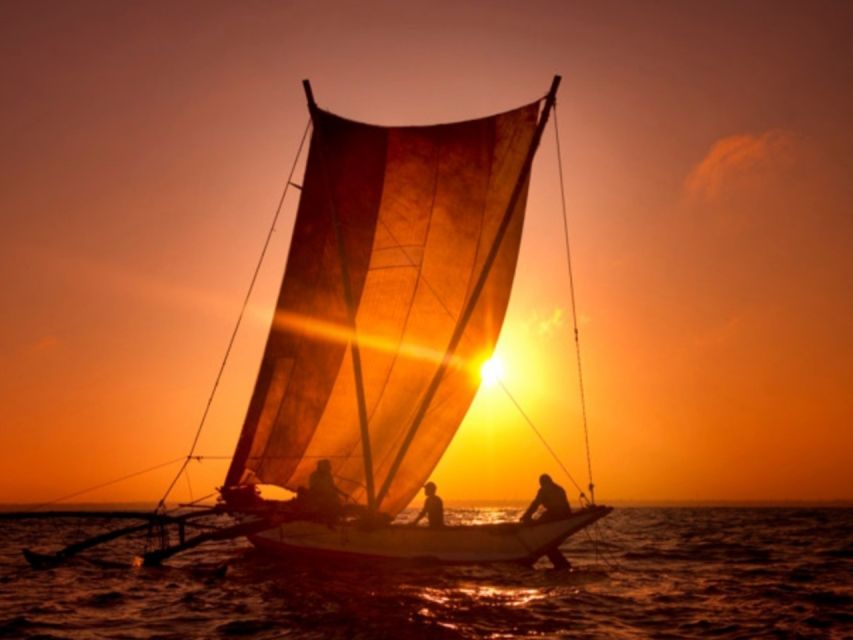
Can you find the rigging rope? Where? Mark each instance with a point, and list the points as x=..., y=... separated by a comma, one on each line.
x=574, y=309
x=287, y=185
x=193, y=503
x=189, y=484
x=105, y=484
x=536, y=431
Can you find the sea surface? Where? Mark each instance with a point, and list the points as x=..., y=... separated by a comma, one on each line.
x=642, y=572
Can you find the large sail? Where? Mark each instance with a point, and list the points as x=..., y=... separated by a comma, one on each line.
x=408, y=215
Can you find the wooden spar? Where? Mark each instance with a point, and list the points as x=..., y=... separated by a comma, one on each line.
x=41, y=560
x=260, y=519
x=154, y=558
x=354, y=348
x=94, y=515
x=468, y=311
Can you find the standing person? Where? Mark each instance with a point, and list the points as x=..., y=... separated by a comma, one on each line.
x=551, y=497
x=433, y=507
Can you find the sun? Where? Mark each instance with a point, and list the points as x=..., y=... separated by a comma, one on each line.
x=492, y=371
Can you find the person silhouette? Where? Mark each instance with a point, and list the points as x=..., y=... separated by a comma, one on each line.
x=323, y=496
x=433, y=507
x=552, y=498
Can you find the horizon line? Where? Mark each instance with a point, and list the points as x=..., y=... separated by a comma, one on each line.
x=483, y=503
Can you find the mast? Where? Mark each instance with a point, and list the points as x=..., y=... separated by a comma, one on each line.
x=354, y=347
x=468, y=311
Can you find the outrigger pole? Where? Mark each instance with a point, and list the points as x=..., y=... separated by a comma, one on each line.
x=46, y=560
x=468, y=311
x=245, y=528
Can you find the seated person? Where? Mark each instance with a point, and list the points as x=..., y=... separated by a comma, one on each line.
x=323, y=496
x=245, y=497
x=433, y=507
x=552, y=498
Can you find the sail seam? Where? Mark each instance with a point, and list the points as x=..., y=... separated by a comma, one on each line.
x=469, y=306
x=486, y=202
x=418, y=282
x=299, y=351
x=263, y=456
x=355, y=354
x=401, y=435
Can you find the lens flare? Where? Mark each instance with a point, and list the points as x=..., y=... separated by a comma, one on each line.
x=492, y=371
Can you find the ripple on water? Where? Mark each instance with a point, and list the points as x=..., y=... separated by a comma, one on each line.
x=642, y=573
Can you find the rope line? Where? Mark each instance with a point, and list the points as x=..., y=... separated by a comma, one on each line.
x=106, y=484
x=184, y=505
x=601, y=555
x=574, y=309
x=189, y=456
x=189, y=484
x=536, y=431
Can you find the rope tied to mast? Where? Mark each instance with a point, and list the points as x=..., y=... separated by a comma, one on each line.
x=542, y=438
x=189, y=456
x=574, y=308
x=101, y=485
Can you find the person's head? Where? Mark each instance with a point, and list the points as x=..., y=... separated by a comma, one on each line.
x=429, y=488
x=324, y=466
x=545, y=480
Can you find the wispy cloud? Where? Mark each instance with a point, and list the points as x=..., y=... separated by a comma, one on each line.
x=735, y=160
x=546, y=325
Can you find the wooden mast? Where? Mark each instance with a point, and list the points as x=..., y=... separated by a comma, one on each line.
x=354, y=347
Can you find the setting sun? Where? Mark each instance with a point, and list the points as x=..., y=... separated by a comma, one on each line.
x=492, y=371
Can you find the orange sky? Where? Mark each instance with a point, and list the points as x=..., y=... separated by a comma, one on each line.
x=707, y=161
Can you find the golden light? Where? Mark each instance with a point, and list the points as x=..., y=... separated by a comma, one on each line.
x=492, y=371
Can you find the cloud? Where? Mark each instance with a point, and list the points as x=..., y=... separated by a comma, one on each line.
x=741, y=160
x=547, y=325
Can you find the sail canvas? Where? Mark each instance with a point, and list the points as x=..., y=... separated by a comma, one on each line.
x=393, y=229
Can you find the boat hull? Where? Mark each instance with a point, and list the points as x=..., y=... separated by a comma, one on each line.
x=471, y=544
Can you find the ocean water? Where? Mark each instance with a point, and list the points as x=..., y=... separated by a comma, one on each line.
x=642, y=572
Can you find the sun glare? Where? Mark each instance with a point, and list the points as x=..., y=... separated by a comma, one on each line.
x=492, y=371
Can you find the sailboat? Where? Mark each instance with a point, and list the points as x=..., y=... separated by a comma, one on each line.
x=396, y=285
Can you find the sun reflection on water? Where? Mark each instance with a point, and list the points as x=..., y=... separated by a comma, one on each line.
x=479, y=595
x=503, y=596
